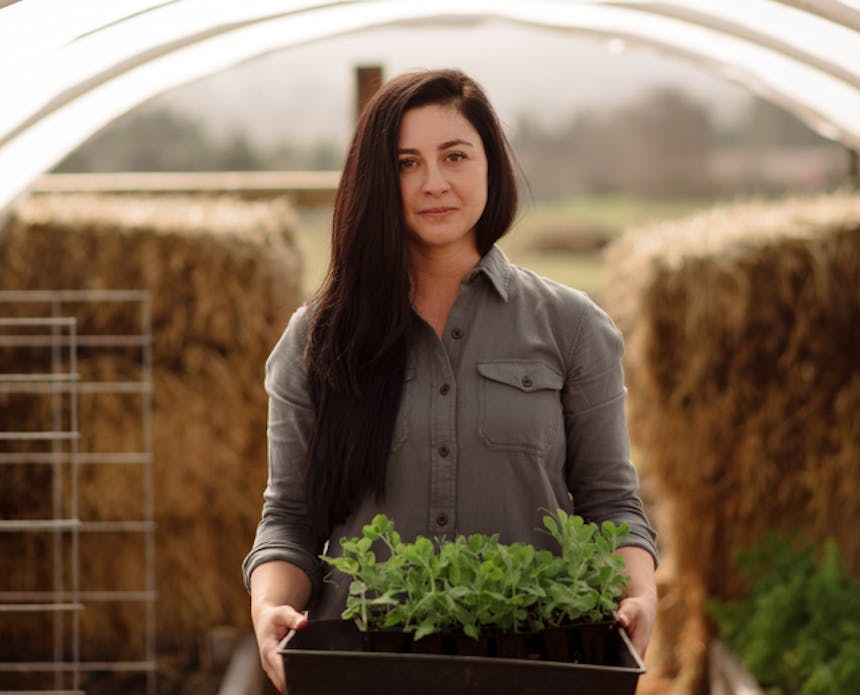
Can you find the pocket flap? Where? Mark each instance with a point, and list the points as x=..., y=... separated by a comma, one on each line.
x=526, y=375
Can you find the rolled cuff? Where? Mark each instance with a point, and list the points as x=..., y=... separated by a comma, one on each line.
x=645, y=539
x=300, y=558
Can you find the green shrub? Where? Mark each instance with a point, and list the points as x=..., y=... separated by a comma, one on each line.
x=797, y=629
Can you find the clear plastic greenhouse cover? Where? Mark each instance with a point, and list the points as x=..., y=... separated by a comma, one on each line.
x=72, y=67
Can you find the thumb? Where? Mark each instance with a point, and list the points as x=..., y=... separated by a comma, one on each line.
x=625, y=618
x=293, y=619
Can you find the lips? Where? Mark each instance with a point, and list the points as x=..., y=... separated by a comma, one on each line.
x=437, y=212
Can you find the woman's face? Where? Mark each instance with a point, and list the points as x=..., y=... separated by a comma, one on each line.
x=443, y=177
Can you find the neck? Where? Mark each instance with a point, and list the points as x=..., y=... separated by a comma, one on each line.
x=436, y=276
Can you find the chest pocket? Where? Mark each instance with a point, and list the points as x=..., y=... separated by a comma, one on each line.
x=520, y=404
x=401, y=425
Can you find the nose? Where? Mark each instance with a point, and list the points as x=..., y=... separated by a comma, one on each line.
x=435, y=181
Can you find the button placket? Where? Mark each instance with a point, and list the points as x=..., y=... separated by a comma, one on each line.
x=443, y=465
x=444, y=457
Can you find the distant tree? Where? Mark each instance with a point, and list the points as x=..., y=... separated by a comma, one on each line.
x=285, y=155
x=659, y=145
x=237, y=154
x=597, y=150
x=766, y=125
x=528, y=132
x=767, y=150
x=547, y=157
x=665, y=144
x=324, y=155
x=664, y=141
x=159, y=140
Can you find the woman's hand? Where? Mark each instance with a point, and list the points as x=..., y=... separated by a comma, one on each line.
x=277, y=588
x=638, y=609
x=271, y=625
x=636, y=615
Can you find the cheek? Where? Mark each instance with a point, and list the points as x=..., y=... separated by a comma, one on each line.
x=482, y=186
x=483, y=195
x=480, y=193
x=407, y=203
x=406, y=191
x=404, y=200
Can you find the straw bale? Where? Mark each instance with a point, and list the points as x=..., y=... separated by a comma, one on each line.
x=224, y=276
x=743, y=364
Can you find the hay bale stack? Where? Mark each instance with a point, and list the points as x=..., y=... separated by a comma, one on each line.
x=743, y=364
x=224, y=276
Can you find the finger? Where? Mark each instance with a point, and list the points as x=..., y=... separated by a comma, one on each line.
x=293, y=620
x=634, y=633
x=634, y=630
x=640, y=644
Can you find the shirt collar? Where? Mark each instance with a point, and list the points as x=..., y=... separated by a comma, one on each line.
x=497, y=268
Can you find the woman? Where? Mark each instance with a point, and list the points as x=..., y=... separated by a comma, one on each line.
x=432, y=380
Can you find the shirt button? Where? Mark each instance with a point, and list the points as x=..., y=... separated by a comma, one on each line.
x=442, y=520
x=443, y=389
x=443, y=451
x=456, y=333
x=527, y=382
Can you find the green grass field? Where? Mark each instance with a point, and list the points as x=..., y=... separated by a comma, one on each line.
x=559, y=239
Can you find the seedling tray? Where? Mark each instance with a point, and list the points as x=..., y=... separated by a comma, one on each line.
x=329, y=656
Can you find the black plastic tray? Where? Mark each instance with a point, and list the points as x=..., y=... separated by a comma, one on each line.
x=328, y=657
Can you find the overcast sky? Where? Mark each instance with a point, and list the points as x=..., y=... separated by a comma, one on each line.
x=307, y=93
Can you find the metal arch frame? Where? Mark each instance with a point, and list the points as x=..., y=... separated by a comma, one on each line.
x=758, y=77
x=845, y=13
x=723, y=17
x=62, y=113
x=841, y=64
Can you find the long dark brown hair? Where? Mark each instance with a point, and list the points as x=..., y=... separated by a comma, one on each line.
x=357, y=349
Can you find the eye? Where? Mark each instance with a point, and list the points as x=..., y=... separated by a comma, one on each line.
x=455, y=156
x=406, y=163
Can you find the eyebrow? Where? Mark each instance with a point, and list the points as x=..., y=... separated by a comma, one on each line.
x=444, y=146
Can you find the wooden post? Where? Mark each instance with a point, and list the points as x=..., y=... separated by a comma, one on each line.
x=368, y=79
x=853, y=169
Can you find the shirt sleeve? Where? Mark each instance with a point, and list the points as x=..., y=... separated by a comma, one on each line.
x=284, y=532
x=600, y=476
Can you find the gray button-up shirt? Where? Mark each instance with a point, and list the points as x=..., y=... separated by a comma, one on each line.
x=518, y=408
